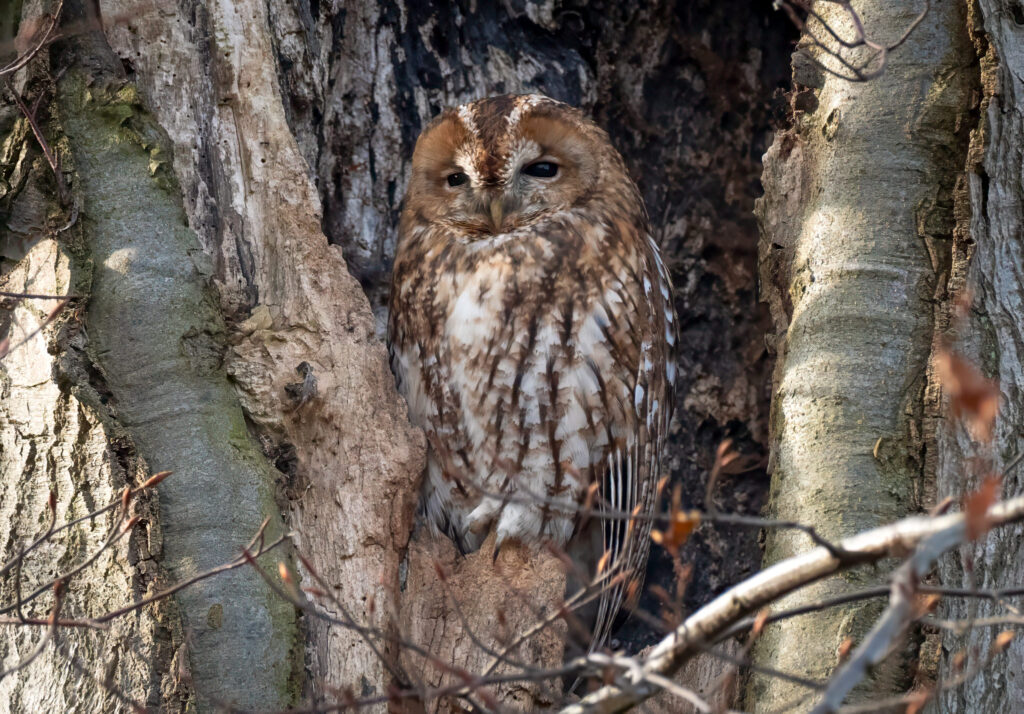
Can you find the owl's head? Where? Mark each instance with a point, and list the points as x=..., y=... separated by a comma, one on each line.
x=502, y=163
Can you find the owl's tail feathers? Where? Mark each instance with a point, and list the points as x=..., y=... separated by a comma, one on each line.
x=605, y=591
x=622, y=586
x=609, y=604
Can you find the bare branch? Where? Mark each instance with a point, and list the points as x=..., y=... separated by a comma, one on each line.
x=45, y=36
x=892, y=623
x=774, y=582
x=58, y=593
x=835, y=45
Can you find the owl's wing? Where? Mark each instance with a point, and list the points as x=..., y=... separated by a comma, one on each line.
x=633, y=470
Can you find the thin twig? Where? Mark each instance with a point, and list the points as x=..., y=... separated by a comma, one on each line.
x=774, y=582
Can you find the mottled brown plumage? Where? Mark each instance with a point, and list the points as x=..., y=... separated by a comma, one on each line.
x=531, y=329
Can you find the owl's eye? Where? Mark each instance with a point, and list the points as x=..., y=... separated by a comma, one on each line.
x=457, y=179
x=541, y=169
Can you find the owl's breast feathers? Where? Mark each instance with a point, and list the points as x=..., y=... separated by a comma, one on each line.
x=537, y=363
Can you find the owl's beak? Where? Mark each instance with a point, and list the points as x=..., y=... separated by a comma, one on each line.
x=497, y=213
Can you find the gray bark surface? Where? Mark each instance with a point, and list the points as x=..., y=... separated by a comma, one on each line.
x=157, y=336
x=59, y=433
x=988, y=263
x=857, y=227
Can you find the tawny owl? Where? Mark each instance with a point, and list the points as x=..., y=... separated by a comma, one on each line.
x=531, y=330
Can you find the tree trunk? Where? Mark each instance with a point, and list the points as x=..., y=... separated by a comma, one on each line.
x=857, y=229
x=988, y=263
x=231, y=265
x=61, y=438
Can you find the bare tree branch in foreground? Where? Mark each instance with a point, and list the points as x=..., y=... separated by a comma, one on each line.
x=849, y=66
x=938, y=534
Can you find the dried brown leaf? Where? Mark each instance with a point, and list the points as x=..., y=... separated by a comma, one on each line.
x=844, y=649
x=662, y=483
x=976, y=506
x=972, y=396
x=662, y=594
x=917, y=701
x=681, y=525
x=156, y=479
x=632, y=594
x=926, y=604
x=130, y=523
x=759, y=622
x=282, y=570
x=1002, y=641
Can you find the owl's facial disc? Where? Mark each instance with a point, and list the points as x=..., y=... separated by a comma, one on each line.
x=500, y=165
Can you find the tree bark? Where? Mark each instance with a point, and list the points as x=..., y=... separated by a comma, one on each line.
x=988, y=264
x=857, y=223
x=60, y=434
x=157, y=337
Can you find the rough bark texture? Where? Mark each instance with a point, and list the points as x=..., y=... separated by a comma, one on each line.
x=988, y=262
x=59, y=436
x=479, y=609
x=857, y=222
x=59, y=432
x=350, y=461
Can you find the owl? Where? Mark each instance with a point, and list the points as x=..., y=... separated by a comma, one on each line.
x=531, y=330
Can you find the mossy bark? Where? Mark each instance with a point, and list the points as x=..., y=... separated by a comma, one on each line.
x=856, y=225
x=60, y=434
x=157, y=335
